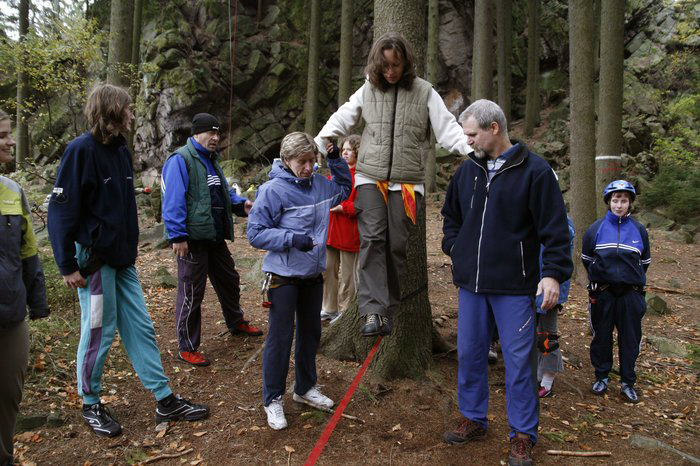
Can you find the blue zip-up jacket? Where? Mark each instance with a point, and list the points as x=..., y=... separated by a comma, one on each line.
x=93, y=203
x=616, y=251
x=493, y=230
x=286, y=205
x=175, y=182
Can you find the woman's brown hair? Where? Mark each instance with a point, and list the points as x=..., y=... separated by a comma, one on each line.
x=3, y=115
x=375, y=62
x=105, y=110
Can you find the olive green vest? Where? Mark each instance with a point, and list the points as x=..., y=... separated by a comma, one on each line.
x=200, y=223
x=401, y=158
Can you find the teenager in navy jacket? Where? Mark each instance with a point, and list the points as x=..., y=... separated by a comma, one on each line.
x=616, y=254
x=290, y=220
x=93, y=227
x=502, y=203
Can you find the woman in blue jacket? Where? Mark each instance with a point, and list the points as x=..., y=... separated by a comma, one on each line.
x=290, y=220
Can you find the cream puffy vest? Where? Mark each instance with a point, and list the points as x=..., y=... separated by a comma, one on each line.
x=396, y=138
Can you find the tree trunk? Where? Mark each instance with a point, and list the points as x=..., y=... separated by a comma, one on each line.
x=136, y=33
x=22, y=150
x=532, y=103
x=345, y=72
x=432, y=69
x=407, y=351
x=582, y=144
x=504, y=14
x=607, y=162
x=119, y=54
x=482, y=56
x=311, y=107
x=406, y=17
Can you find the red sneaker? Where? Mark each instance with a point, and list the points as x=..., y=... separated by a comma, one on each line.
x=193, y=357
x=244, y=328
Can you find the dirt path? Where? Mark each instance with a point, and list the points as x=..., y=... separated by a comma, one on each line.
x=402, y=421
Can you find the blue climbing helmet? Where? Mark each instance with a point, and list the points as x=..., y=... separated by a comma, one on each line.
x=617, y=186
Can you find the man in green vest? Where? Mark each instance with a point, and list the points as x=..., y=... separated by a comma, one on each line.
x=197, y=208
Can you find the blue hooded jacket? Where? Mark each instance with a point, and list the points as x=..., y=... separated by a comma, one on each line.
x=287, y=205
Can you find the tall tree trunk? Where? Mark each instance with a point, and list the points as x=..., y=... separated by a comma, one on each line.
x=482, y=56
x=136, y=33
x=582, y=144
x=607, y=162
x=532, y=103
x=504, y=15
x=407, y=351
x=119, y=54
x=22, y=150
x=432, y=69
x=406, y=17
x=345, y=72
x=311, y=107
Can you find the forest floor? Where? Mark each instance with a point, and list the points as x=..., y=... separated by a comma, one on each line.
x=400, y=421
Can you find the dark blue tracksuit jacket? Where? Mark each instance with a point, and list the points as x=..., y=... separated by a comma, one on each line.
x=493, y=230
x=616, y=251
x=93, y=203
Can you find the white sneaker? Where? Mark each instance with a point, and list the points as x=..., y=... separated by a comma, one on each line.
x=275, y=414
x=314, y=398
x=326, y=315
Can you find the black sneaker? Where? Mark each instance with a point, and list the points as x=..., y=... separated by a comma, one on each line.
x=100, y=420
x=376, y=325
x=176, y=408
x=628, y=393
x=600, y=386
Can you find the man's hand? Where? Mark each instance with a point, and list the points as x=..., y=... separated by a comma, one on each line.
x=181, y=249
x=337, y=209
x=332, y=150
x=247, y=206
x=74, y=280
x=550, y=287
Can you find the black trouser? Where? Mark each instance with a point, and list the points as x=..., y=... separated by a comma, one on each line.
x=623, y=311
x=14, y=347
x=212, y=259
x=291, y=296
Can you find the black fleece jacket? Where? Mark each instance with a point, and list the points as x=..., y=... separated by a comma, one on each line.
x=493, y=231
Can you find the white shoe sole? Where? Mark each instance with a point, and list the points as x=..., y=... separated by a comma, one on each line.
x=300, y=399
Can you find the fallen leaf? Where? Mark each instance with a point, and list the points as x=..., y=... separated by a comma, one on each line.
x=199, y=434
x=289, y=449
x=396, y=427
x=255, y=428
x=241, y=431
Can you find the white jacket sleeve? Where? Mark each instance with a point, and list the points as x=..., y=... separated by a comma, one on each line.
x=342, y=121
x=448, y=132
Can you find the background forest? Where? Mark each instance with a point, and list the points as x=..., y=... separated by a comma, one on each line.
x=580, y=79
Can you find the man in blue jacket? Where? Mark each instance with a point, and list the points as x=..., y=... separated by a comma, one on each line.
x=197, y=208
x=94, y=232
x=502, y=203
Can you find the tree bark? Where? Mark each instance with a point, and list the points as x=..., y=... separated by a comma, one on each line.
x=345, y=72
x=582, y=144
x=610, y=92
x=432, y=73
x=532, y=103
x=482, y=56
x=504, y=15
x=406, y=17
x=407, y=352
x=119, y=54
x=22, y=150
x=136, y=33
x=311, y=107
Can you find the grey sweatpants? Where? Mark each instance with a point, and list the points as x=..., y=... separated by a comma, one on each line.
x=14, y=347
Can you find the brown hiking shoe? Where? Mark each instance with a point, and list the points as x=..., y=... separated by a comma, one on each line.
x=520, y=452
x=466, y=431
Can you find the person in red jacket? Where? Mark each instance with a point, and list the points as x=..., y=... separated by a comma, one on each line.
x=343, y=245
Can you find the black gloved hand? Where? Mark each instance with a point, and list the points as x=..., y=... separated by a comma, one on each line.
x=302, y=242
x=334, y=153
x=547, y=342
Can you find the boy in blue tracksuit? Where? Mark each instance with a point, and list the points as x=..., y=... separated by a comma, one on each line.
x=616, y=254
x=290, y=220
x=93, y=227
